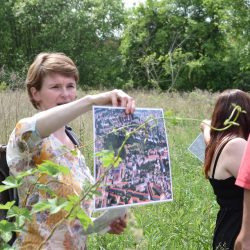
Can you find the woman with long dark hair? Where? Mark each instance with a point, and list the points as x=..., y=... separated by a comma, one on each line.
x=222, y=160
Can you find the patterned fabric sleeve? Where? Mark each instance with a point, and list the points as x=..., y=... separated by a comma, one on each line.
x=24, y=140
x=243, y=178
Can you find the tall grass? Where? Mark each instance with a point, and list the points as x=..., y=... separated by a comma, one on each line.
x=185, y=223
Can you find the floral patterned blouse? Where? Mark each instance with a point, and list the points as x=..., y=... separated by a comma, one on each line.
x=25, y=150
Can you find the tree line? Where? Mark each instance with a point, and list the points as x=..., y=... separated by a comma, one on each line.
x=163, y=44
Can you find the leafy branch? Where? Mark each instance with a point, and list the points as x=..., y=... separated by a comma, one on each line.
x=72, y=204
x=109, y=161
x=229, y=122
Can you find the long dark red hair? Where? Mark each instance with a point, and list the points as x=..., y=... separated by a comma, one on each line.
x=222, y=111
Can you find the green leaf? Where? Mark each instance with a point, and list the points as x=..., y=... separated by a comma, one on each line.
x=20, y=221
x=26, y=173
x=84, y=219
x=3, y=188
x=169, y=113
x=106, y=157
x=86, y=185
x=52, y=169
x=7, y=206
x=97, y=193
x=6, y=226
x=6, y=246
x=73, y=203
x=56, y=205
x=21, y=216
x=12, y=182
x=6, y=236
x=41, y=206
x=53, y=205
x=69, y=206
x=6, y=229
x=73, y=200
x=117, y=162
x=74, y=152
x=16, y=211
x=45, y=188
x=92, y=193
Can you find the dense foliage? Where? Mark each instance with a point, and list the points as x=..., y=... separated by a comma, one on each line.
x=166, y=44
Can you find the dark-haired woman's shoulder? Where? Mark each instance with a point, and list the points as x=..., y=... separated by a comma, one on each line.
x=232, y=155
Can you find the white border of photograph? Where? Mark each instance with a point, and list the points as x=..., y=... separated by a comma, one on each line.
x=144, y=174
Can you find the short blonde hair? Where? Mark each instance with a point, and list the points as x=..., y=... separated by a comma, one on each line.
x=46, y=64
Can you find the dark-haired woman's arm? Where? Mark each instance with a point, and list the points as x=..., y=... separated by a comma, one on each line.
x=205, y=128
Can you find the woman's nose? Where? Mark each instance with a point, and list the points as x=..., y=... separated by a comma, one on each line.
x=65, y=92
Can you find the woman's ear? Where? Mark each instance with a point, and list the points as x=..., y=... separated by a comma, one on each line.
x=35, y=94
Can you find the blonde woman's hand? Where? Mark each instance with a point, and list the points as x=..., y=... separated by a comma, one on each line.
x=116, y=98
x=122, y=99
x=118, y=226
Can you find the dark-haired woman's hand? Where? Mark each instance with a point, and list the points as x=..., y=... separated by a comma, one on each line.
x=205, y=128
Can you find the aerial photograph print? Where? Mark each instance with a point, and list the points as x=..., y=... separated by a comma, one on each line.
x=143, y=174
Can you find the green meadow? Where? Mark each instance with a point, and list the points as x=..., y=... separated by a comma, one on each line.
x=187, y=222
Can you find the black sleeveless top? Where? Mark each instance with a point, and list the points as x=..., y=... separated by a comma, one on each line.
x=229, y=218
